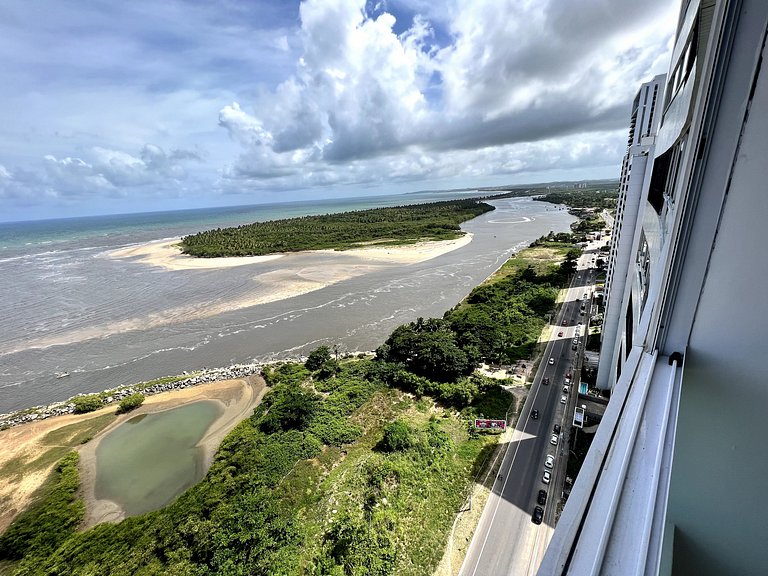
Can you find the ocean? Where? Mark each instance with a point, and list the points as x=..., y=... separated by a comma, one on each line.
x=68, y=307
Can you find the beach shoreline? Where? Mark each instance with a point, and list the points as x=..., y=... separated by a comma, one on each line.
x=166, y=254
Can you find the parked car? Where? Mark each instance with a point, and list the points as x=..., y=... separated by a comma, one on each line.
x=546, y=477
x=556, y=429
x=550, y=461
x=554, y=439
x=563, y=399
x=538, y=514
x=565, y=389
x=542, y=497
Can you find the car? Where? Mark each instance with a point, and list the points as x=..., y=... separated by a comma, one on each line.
x=546, y=477
x=574, y=347
x=565, y=323
x=546, y=381
x=563, y=399
x=567, y=380
x=568, y=374
x=586, y=296
x=538, y=514
x=554, y=439
x=551, y=361
x=560, y=333
x=541, y=498
x=534, y=414
x=556, y=428
x=565, y=389
x=550, y=462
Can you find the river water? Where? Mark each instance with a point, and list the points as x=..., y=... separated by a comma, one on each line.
x=68, y=307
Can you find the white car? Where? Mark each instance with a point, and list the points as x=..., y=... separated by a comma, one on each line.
x=553, y=440
x=550, y=461
x=563, y=399
x=546, y=477
x=551, y=361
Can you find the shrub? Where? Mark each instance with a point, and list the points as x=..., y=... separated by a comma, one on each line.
x=398, y=436
x=317, y=358
x=130, y=403
x=87, y=403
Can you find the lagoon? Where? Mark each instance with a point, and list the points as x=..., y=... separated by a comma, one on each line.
x=147, y=461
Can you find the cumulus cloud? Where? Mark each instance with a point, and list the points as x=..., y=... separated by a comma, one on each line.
x=315, y=93
x=508, y=75
x=104, y=172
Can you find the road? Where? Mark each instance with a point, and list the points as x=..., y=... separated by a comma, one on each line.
x=506, y=541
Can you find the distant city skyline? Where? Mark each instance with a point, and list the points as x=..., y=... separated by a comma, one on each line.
x=113, y=108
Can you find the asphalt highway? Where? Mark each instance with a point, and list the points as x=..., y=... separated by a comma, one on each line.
x=507, y=542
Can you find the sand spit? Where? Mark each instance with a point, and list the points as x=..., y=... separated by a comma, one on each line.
x=166, y=254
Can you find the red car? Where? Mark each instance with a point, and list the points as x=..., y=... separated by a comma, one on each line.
x=560, y=333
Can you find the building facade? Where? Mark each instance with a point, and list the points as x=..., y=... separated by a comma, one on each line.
x=627, y=275
x=674, y=480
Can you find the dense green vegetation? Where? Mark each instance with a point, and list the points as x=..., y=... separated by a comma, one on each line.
x=596, y=197
x=130, y=402
x=87, y=403
x=500, y=321
x=345, y=468
x=394, y=225
x=40, y=530
x=282, y=497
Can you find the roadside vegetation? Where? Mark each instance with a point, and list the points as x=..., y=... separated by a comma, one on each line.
x=347, y=467
x=379, y=226
x=593, y=197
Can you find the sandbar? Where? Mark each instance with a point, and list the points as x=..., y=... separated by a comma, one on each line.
x=298, y=273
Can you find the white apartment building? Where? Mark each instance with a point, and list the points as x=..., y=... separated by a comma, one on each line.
x=626, y=274
x=675, y=480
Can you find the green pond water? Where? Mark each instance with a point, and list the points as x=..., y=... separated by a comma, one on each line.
x=147, y=461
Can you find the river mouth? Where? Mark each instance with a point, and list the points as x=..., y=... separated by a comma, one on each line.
x=147, y=461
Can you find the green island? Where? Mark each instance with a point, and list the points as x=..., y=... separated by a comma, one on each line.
x=380, y=226
x=349, y=466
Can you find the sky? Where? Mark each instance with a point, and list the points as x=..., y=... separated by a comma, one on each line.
x=114, y=107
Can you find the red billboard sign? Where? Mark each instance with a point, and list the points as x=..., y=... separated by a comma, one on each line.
x=486, y=424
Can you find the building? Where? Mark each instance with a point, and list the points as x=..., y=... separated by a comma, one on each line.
x=626, y=277
x=674, y=482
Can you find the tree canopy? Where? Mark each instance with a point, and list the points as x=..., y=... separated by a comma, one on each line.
x=391, y=225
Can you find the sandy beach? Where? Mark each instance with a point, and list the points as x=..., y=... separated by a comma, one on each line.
x=166, y=254
x=23, y=443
